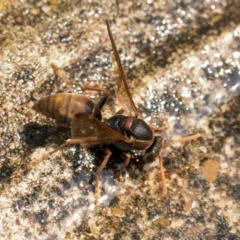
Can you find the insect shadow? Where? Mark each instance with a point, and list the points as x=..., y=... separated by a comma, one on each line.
x=36, y=135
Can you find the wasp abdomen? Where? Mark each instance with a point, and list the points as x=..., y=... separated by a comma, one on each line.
x=63, y=106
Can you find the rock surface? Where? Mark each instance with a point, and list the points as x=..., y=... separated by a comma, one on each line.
x=182, y=63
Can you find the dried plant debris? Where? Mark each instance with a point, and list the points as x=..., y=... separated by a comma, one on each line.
x=210, y=169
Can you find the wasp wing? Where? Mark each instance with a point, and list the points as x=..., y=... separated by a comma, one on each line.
x=90, y=131
x=123, y=92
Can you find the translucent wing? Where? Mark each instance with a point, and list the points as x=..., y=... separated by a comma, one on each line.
x=90, y=131
x=123, y=92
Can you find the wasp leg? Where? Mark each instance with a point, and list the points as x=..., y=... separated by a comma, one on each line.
x=184, y=139
x=103, y=99
x=126, y=162
x=58, y=74
x=85, y=87
x=68, y=142
x=188, y=138
x=100, y=168
x=164, y=188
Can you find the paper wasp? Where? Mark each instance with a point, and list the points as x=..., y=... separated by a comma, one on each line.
x=126, y=132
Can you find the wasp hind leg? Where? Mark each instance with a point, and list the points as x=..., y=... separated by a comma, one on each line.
x=46, y=156
x=84, y=87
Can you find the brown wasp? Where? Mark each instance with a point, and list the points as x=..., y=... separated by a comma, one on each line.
x=127, y=133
